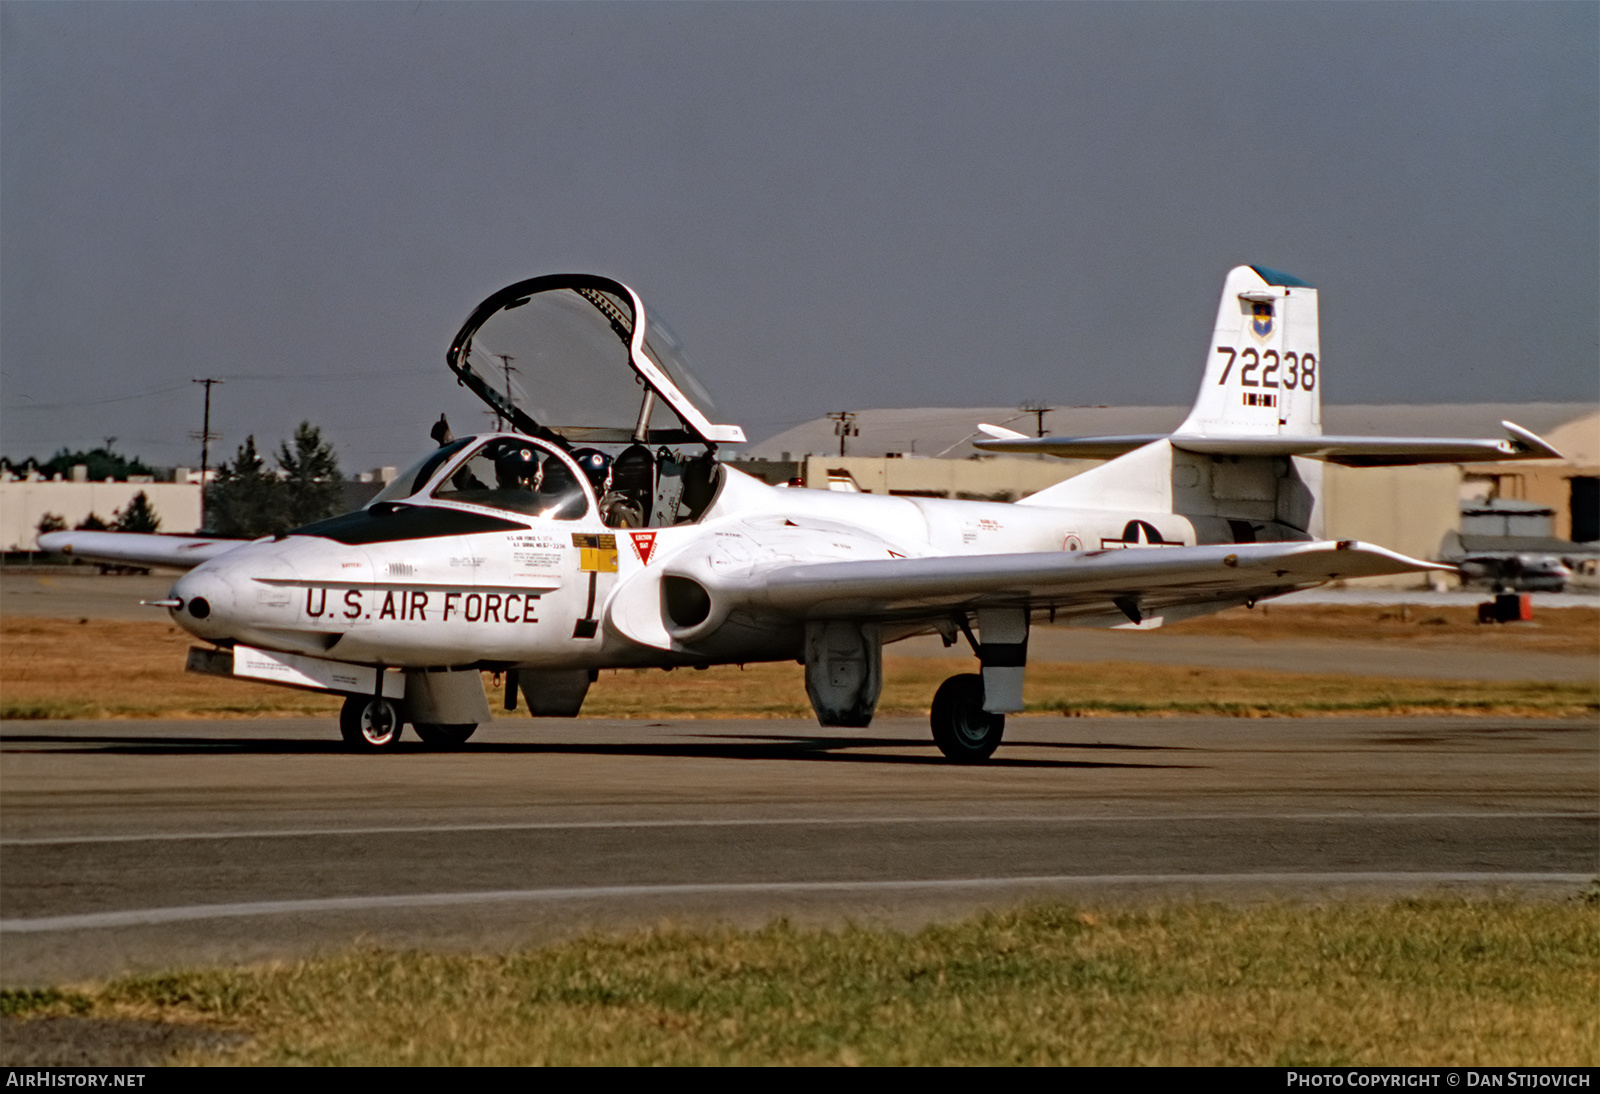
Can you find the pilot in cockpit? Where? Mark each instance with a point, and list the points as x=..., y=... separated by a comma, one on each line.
x=620, y=507
x=518, y=469
x=555, y=481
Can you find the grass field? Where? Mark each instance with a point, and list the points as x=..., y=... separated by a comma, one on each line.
x=54, y=668
x=1408, y=983
x=1552, y=630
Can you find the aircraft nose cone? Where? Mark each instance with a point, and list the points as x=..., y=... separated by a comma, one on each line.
x=208, y=604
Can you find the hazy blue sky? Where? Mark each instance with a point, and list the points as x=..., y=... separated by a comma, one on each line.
x=837, y=205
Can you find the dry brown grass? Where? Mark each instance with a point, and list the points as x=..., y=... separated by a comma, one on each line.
x=1552, y=630
x=58, y=668
x=54, y=668
x=1087, y=690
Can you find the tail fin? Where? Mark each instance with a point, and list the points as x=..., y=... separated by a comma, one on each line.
x=1247, y=463
x=1263, y=373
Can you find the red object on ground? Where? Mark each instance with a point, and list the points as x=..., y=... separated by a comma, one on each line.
x=1506, y=608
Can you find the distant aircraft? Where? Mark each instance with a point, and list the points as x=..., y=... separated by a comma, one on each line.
x=1503, y=571
x=599, y=530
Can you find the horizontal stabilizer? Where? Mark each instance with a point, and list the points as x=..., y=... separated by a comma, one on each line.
x=1349, y=451
x=1000, y=432
x=134, y=549
x=1071, y=448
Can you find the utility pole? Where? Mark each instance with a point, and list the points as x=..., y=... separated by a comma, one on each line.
x=844, y=425
x=1038, y=410
x=505, y=363
x=205, y=438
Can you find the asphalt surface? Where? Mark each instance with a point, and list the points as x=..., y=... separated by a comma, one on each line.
x=142, y=845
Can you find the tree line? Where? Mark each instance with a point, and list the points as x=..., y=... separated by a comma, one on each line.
x=247, y=498
x=103, y=463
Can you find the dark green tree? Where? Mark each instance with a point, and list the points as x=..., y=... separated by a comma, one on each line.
x=311, y=473
x=90, y=523
x=51, y=522
x=249, y=500
x=246, y=499
x=139, y=516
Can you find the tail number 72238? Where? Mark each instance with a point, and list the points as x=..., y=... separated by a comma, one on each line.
x=1298, y=370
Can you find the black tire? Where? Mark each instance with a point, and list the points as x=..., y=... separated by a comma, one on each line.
x=963, y=730
x=436, y=735
x=371, y=724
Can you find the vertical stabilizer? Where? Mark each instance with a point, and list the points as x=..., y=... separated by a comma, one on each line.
x=1263, y=374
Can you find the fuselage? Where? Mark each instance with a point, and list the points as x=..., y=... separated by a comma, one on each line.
x=413, y=584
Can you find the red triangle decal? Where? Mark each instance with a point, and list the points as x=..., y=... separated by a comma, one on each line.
x=644, y=545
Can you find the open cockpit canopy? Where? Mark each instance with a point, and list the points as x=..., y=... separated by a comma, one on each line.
x=574, y=357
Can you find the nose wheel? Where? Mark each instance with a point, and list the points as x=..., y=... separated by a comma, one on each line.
x=370, y=723
x=963, y=730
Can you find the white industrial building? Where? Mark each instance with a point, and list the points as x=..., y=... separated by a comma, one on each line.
x=24, y=503
x=25, y=499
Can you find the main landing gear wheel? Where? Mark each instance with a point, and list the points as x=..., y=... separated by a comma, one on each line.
x=367, y=722
x=444, y=736
x=963, y=730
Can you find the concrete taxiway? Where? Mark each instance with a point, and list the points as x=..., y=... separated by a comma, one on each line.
x=141, y=845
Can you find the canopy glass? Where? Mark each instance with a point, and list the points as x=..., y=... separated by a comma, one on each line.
x=574, y=357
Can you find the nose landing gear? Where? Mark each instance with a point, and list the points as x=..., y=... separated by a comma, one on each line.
x=370, y=723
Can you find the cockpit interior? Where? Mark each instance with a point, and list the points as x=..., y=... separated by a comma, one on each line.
x=608, y=416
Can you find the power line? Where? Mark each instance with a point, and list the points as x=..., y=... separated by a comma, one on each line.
x=347, y=377
x=352, y=377
x=96, y=402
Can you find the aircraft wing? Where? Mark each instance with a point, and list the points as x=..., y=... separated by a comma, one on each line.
x=1520, y=444
x=1134, y=583
x=134, y=549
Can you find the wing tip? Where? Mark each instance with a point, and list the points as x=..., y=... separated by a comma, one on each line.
x=1528, y=444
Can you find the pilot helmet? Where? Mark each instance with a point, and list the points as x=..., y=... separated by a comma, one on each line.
x=596, y=465
x=517, y=467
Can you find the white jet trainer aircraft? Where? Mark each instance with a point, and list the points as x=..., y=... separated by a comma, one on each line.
x=600, y=531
